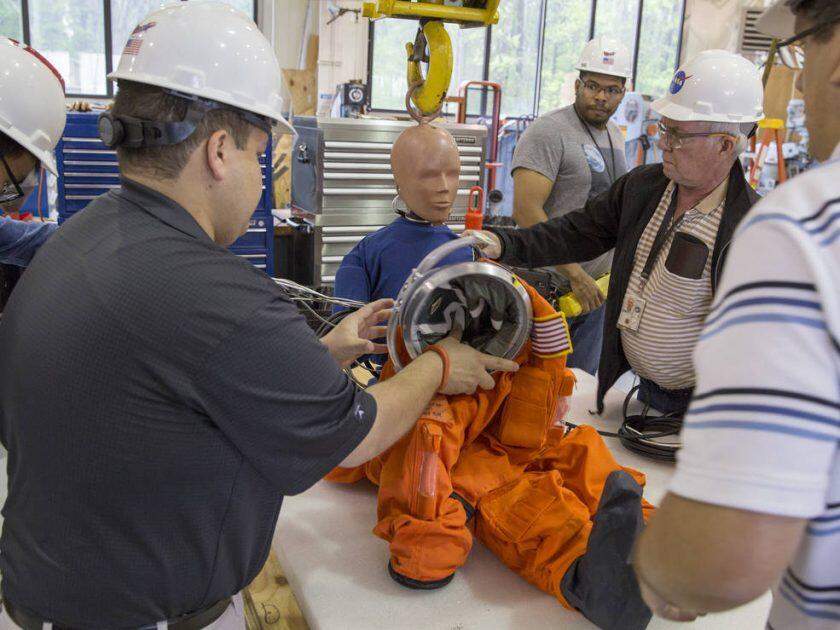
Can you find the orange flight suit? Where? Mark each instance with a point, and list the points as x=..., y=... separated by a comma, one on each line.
x=494, y=465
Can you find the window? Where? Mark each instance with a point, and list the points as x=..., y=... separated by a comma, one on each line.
x=468, y=50
x=567, y=25
x=534, y=48
x=388, y=83
x=617, y=18
x=71, y=34
x=658, y=41
x=514, y=53
x=74, y=36
x=11, y=24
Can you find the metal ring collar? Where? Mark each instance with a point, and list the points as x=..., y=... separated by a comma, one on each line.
x=415, y=112
x=416, y=293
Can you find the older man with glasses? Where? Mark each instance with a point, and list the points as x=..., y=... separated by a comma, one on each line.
x=32, y=116
x=566, y=157
x=670, y=225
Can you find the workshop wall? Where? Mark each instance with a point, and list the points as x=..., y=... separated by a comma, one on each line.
x=288, y=25
x=343, y=45
x=714, y=24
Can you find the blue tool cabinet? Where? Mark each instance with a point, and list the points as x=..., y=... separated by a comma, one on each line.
x=87, y=169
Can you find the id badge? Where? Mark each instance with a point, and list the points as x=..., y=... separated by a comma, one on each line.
x=631, y=312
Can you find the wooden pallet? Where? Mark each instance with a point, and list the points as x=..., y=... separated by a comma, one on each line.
x=269, y=601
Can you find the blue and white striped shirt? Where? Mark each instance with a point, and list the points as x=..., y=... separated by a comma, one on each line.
x=763, y=430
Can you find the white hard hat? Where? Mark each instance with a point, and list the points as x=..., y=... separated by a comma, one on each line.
x=209, y=50
x=32, y=111
x=777, y=21
x=606, y=55
x=715, y=86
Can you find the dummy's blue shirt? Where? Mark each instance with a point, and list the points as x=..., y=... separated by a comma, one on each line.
x=19, y=240
x=381, y=263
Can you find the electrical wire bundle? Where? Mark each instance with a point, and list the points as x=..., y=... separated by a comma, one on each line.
x=643, y=434
x=318, y=307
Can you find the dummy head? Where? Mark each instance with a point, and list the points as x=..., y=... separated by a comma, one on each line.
x=426, y=167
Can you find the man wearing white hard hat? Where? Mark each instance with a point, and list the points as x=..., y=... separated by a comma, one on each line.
x=32, y=116
x=670, y=225
x=755, y=502
x=186, y=395
x=566, y=157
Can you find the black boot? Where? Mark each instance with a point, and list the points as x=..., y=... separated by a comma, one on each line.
x=601, y=583
x=408, y=582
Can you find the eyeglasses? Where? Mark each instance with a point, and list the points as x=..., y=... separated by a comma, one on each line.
x=799, y=37
x=595, y=89
x=676, y=140
x=11, y=191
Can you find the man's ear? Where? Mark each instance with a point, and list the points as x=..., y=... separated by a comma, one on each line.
x=217, y=153
x=727, y=145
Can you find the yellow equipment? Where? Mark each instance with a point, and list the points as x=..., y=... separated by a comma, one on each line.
x=432, y=44
x=428, y=92
x=569, y=304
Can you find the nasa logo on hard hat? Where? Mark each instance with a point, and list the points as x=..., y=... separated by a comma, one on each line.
x=679, y=81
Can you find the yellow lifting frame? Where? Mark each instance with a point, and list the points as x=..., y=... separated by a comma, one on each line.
x=427, y=93
x=434, y=9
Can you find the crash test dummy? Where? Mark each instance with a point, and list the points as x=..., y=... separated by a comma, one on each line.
x=426, y=168
x=499, y=465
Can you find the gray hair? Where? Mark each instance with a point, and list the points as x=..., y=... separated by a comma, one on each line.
x=738, y=130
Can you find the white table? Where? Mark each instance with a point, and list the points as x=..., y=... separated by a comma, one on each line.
x=338, y=572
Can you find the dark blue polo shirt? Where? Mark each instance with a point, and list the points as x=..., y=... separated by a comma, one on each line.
x=158, y=397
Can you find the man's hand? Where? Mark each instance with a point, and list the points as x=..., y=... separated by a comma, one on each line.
x=488, y=243
x=468, y=368
x=586, y=291
x=355, y=334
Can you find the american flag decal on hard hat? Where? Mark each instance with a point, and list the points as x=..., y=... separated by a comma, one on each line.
x=609, y=57
x=132, y=46
x=550, y=336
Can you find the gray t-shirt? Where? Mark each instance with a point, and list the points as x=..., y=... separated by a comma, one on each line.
x=558, y=146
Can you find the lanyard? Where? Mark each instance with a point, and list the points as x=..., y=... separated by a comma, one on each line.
x=665, y=229
x=610, y=173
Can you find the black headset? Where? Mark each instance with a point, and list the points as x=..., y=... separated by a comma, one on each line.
x=132, y=132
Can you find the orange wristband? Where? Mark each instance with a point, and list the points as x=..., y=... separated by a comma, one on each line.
x=444, y=356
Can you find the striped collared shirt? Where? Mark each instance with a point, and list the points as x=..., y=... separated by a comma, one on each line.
x=676, y=306
x=763, y=430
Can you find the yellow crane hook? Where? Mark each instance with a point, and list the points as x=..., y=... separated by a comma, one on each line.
x=429, y=91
